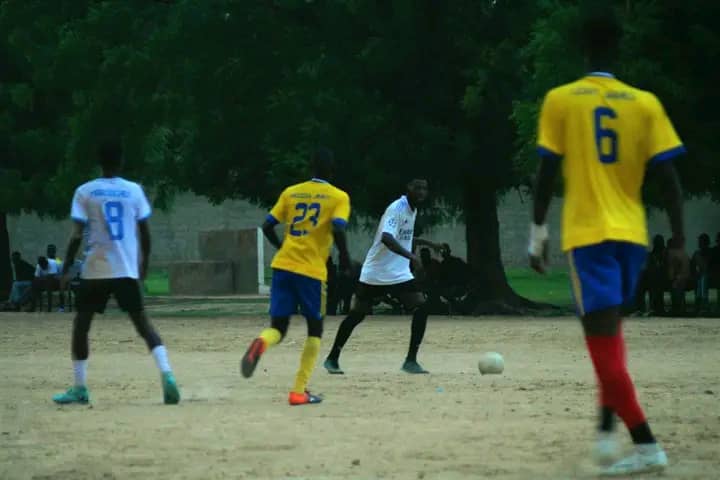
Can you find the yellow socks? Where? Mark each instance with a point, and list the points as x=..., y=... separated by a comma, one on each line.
x=307, y=363
x=271, y=336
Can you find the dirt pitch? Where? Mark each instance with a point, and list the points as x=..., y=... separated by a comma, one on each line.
x=533, y=422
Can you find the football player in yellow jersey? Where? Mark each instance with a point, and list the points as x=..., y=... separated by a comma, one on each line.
x=314, y=213
x=606, y=135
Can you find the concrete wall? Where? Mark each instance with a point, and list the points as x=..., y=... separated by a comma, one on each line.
x=176, y=233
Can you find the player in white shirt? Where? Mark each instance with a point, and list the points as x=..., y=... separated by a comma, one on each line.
x=387, y=271
x=111, y=212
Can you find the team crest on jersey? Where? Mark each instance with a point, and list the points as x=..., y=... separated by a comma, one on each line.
x=405, y=234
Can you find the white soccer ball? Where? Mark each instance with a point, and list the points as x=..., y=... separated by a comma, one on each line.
x=491, y=363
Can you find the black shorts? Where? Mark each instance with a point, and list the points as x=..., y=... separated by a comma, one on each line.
x=366, y=292
x=93, y=295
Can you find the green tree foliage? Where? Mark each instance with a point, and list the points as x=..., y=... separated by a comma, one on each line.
x=227, y=98
x=669, y=48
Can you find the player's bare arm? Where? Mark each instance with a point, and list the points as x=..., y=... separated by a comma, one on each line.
x=340, y=238
x=73, y=246
x=394, y=246
x=542, y=195
x=421, y=242
x=666, y=173
x=268, y=229
x=145, y=247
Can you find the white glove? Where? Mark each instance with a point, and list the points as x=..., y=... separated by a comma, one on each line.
x=539, y=236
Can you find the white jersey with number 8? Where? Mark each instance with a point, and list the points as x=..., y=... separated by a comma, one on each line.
x=110, y=209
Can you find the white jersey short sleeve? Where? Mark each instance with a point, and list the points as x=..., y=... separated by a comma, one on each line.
x=52, y=269
x=383, y=267
x=110, y=209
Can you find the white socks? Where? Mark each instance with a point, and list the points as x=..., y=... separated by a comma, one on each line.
x=159, y=353
x=80, y=371
x=161, y=358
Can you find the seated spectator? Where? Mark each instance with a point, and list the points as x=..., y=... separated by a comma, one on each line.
x=47, y=279
x=655, y=280
x=51, y=254
x=347, y=282
x=428, y=282
x=714, y=267
x=678, y=275
x=22, y=282
x=454, y=277
x=700, y=267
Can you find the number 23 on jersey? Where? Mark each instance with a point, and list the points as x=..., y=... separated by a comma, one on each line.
x=303, y=209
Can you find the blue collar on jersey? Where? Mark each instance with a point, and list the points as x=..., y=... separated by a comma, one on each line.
x=318, y=180
x=600, y=74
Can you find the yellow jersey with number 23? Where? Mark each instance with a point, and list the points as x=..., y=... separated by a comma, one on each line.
x=309, y=210
x=607, y=134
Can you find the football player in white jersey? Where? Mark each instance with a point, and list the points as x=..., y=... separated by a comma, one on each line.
x=112, y=212
x=387, y=271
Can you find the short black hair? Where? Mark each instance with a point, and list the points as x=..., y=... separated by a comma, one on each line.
x=43, y=262
x=323, y=162
x=417, y=178
x=600, y=30
x=15, y=255
x=110, y=154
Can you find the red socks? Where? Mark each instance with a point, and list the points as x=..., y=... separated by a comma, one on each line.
x=616, y=387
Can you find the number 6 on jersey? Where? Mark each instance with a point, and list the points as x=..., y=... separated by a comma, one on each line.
x=605, y=133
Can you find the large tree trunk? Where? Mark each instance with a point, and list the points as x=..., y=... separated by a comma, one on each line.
x=5, y=267
x=490, y=292
x=482, y=234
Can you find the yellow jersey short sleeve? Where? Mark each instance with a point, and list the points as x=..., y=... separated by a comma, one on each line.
x=309, y=211
x=278, y=214
x=551, y=126
x=663, y=141
x=341, y=216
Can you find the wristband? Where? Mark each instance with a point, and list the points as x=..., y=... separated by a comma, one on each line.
x=538, y=237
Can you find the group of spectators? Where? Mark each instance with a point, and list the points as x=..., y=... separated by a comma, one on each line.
x=29, y=282
x=445, y=280
x=670, y=269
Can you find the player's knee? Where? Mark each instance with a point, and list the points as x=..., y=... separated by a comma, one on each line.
x=419, y=307
x=315, y=329
x=356, y=317
x=281, y=324
x=82, y=322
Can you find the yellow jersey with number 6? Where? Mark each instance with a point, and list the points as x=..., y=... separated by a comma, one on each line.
x=309, y=210
x=607, y=133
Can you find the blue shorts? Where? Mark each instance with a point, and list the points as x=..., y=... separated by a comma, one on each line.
x=291, y=292
x=605, y=275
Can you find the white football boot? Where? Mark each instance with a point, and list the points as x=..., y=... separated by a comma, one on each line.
x=606, y=450
x=648, y=457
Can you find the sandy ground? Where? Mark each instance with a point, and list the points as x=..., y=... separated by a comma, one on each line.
x=533, y=422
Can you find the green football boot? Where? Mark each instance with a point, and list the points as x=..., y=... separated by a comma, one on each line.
x=171, y=393
x=75, y=394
